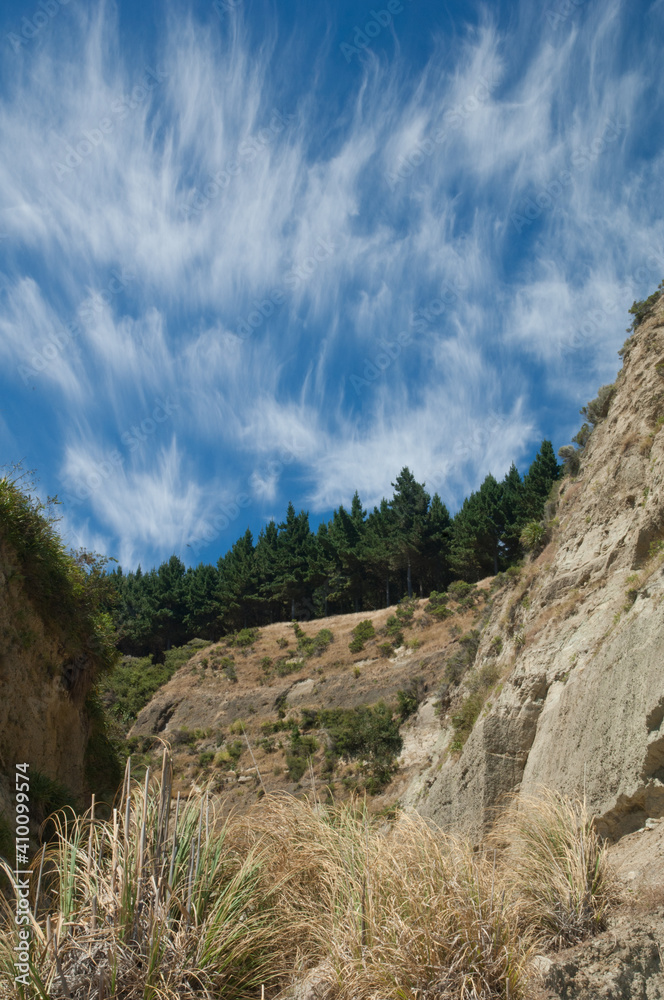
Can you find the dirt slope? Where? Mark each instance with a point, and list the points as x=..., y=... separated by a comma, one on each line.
x=203, y=711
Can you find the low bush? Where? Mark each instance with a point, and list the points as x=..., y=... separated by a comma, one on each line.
x=533, y=535
x=405, y=610
x=227, y=664
x=130, y=685
x=496, y=646
x=229, y=755
x=458, y=663
x=322, y=640
x=244, y=638
x=460, y=589
x=408, y=699
x=640, y=310
x=437, y=605
x=301, y=749
x=369, y=734
x=362, y=632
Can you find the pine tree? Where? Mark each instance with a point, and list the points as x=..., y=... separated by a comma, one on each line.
x=436, y=547
x=464, y=551
x=409, y=506
x=202, y=617
x=542, y=474
x=238, y=584
x=512, y=501
x=295, y=549
x=380, y=546
x=266, y=559
x=171, y=600
x=346, y=536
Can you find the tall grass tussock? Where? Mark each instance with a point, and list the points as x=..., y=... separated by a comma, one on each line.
x=295, y=899
x=558, y=868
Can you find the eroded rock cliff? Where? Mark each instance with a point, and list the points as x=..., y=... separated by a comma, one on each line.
x=581, y=703
x=42, y=720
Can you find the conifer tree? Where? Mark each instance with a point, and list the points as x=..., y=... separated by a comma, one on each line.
x=238, y=584
x=436, y=548
x=346, y=535
x=202, y=617
x=294, y=556
x=266, y=559
x=380, y=546
x=512, y=506
x=409, y=507
x=537, y=483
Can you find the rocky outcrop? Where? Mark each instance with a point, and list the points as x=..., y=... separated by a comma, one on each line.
x=581, y=706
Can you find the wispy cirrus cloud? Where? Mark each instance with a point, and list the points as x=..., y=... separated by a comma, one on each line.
x=477, y=200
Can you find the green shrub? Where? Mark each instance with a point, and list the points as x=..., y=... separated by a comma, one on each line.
x=464, y=719
x=282, y=642
x=308, y=718
x=323, y=639
x=533, y=535
x=457, y=664
x=235, y=750
x=105, y=751
x=496, y=646
x=301, y=749
x=306, y=646
x=132, y=682
x=640, y=310
x=362, y=632
x=205, y=758
x=393, y=629
x=47, y=796
x=408, y=700
x=571, y=459
x=72, y=593
x=386, y=649
x=244, y=638
x=460, y=589
x=229, y=755
x=182, y=737
x=405, y=610
x=283, y=666
x=368, y=734
x=437, y=605
x=227, y=664
x=598, y=408
x=296, y=766
x=266, y=664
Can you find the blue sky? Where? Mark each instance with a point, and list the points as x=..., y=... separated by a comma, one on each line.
x=253, y=252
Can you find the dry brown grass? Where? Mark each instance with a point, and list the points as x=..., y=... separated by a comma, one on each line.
x=169, y=903
x=409, y=912
x=557, y=868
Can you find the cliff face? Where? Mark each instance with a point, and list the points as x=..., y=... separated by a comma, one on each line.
x=42, y=721
x=581, y=706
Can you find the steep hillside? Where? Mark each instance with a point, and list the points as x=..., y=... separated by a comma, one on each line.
x=258, y=700
x=582, y=635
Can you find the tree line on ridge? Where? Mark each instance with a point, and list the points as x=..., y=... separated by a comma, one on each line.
x=407, y=546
